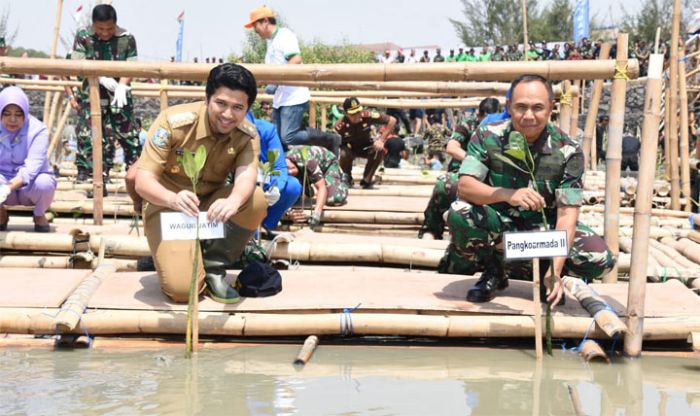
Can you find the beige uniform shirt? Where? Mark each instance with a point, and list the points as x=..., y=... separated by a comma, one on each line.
x=186, y=126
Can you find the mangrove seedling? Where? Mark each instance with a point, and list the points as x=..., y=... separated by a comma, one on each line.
x=520, y=151
x=192, y=164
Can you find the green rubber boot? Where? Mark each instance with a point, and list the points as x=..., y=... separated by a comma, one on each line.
x=219, y=255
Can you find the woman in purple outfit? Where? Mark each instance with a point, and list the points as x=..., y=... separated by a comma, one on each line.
x=25, y=175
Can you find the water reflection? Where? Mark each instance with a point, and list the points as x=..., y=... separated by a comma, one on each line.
x=344, y=380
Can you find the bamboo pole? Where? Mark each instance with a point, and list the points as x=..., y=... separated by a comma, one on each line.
x=565, y=107
x=673, y=118
x=461, y=71
x=72, y=309
x=307, y=350
x=573, y=130
x=96, y=122
x=537, y=307
x=613, y=155
x=590, y=351
x=58, y=262
x=55, y=100
x=163, y=94
x=667, y=132
x=52, y=55
x=101, y=322
x=312, y=114
x=56, y=137
x=640, y=236
x=606, y=319
x=684, y=144
x=526, y=45
x=324, y=117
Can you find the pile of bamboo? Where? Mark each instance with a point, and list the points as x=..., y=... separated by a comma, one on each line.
x=594, y=191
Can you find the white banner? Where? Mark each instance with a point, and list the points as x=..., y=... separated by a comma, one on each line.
x=179, y=226
x=535, y=244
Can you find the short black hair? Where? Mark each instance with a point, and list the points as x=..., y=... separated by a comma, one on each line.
x=104, y=13
x=234, y=77
x=533, y=78
x=489, y=105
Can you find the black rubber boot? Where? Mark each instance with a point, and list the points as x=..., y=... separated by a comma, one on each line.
x=491, y=280
x=219, y=255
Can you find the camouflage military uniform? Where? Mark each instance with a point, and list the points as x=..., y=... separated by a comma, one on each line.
x=444, y=192
x=435, y=137
x=321, y=164
x=117, y=123
x=477, y=229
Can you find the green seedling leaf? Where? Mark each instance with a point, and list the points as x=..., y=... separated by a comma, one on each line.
x=305, y=153
x=275, y=173
x=190, y=165
x=510, y=162
x=272, y=155
x=516, y=154
x=200, y=157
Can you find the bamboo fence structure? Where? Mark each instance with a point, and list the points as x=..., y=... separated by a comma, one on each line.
x=613, y=155
x=72, y=309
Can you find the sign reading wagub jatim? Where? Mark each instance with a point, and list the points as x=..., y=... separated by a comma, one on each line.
x=179, y=226
x=535, y=244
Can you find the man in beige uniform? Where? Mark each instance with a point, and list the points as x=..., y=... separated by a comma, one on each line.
x=232, y=145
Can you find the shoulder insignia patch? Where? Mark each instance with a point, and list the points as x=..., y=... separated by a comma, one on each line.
x=160, y=138
x=181, y=119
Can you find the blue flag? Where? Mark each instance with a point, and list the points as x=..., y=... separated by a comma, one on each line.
x=178, y=44
x=581, y=20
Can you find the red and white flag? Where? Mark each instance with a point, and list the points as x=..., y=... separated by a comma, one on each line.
x=181, y=16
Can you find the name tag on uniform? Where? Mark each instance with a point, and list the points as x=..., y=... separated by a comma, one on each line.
x=179, y=226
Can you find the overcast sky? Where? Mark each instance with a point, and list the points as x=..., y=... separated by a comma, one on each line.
x=215, y=27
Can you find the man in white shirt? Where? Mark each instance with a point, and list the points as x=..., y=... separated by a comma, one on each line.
x=411, y=59
x=289, y=103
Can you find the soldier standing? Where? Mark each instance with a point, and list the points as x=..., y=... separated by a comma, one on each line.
x=105, y=41
x=354, y=129
x=495, y=196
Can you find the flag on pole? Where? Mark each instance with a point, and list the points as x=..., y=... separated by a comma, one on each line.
x=78, y=14
x=581, y=20
x=178, y=44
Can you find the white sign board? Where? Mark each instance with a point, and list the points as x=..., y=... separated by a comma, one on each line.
x=179, y=226
x=535, y=244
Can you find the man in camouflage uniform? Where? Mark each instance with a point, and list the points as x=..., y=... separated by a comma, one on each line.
x=105, y=41
x=323, y=172
x=494, y=196
x=444, y=193
x=354, y=129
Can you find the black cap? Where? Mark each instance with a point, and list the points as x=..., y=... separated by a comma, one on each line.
x=351, y=105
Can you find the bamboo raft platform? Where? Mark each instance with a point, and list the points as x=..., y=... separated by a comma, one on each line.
x=326, y=300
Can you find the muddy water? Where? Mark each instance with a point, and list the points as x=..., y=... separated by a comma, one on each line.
x=341, y=380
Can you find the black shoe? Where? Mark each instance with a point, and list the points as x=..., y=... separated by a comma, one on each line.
x=366, y=185
x=82, y=177
x=491, y=280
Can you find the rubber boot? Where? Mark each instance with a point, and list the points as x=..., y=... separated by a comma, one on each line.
x=490, y=281
x=219, y=255
x=329, y=140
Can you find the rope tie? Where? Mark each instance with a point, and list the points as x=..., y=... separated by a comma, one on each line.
x=346, y=326
x=565, y=98
x=621, y=73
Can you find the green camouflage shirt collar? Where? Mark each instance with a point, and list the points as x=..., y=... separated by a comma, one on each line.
x=543, y=145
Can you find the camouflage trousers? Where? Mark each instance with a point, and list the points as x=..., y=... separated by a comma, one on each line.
x=477, y=232
x=444, y=192
x=117, y=125
x=337, y=188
